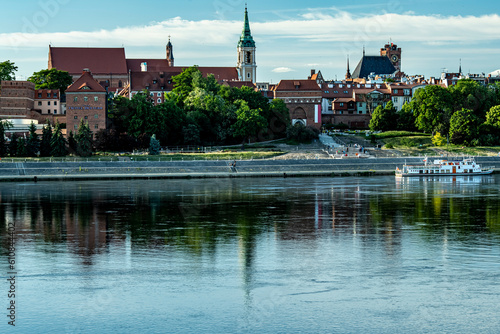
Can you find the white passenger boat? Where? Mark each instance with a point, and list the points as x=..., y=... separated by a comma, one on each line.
x=465, y=167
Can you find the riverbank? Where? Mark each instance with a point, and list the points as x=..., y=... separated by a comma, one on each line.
x=70, y=171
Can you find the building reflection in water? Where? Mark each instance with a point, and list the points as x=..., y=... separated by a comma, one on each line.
x=198, y=216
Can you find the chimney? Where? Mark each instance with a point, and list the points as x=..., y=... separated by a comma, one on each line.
x=313, y=72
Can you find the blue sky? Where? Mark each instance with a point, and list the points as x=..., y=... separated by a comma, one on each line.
x=292, y=36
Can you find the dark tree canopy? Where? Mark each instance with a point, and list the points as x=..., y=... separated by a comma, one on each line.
x=51, y=79
x=8, y=70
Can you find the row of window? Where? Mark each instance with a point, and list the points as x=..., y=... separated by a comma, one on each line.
x=86, y=117
x=96, y=126
x=86, y=99
x=48, y=103
x=54, y=95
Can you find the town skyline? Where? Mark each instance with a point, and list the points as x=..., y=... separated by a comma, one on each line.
x=290, y=39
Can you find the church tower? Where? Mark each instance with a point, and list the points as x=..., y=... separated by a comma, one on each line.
x=247, y=67
x=170, y=53
x=393, y=53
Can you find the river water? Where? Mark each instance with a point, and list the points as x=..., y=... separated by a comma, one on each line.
x=305, y=255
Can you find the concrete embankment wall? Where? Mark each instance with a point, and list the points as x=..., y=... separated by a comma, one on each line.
x=207, y=169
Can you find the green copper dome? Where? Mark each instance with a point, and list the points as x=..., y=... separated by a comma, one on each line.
x=246, y=39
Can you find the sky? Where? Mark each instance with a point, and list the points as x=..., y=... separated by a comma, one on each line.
x=292, y=37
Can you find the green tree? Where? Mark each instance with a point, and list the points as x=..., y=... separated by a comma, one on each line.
x=383, y=119
x=154, y=146
x=84, y=140
x=493, y=117
x=72, y=142
x=45, y=145
x=406, y=119
x=183, y=84
x=248, y=121
x=432, y=107
x=4, y=125
x=8, y=71
x=13, y=145
x=51, y=79
x=33, y=142
x=58, y=143
x=21, y=148
x=464, y=127
x=469, y=94
x=279, y=118
x=191, y=134
x=439, y=140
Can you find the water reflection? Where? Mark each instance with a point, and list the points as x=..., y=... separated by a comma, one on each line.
x=196, y=216
x=284, y=243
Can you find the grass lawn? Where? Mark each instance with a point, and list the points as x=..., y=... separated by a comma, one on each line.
x=222, y=155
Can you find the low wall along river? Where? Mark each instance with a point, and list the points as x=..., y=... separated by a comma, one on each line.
x=16, y=171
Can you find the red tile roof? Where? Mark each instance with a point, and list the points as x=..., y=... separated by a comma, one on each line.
x=221, y=73
x=97, y=60
x=86, y=83
x=153, y=65
x=298, y=85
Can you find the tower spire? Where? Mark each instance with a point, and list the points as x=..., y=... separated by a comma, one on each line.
x=170, y=53
x=246, y=39
x=348, y=74
x=460, y=67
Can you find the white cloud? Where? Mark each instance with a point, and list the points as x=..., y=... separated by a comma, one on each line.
x=282, y=70
x=337, y=26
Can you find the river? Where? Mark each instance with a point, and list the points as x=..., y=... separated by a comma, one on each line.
x=277, y=255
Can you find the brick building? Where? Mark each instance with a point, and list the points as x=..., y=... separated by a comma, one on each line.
x=303, y=100
x=17, y=98
x=86, y=99
x=48, y=102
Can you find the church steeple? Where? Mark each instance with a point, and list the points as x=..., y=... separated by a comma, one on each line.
x=170, y=53
x=246, y=39
x=247, y=66
x=348, y=74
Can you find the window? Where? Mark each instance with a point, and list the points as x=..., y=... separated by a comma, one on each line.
x=76, y=117
x=154, y=81
x=55, y=103
x=96, y=116
x=76, y=127
x=55, y=111
x=395, y=91
x=248, y=75
x=48, y=111
x=152, y=94
x=326, y=92
x=96, y=126
x=159, y=94
x=55, y=95
x=335, y=91
x=39, y=103
x=96, y=98
x=48, y=103
x=159, y=101
x=85, y=98
x=120, y=84
x=395, y=99
x=341, y=104
x=86, y=117
x=346, y=92
x=407, y=92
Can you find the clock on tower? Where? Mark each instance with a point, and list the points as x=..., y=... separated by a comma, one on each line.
x=393, y=53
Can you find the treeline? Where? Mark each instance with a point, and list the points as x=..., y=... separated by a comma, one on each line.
x=467, y=114
x=52, y=142
x=198, y=111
